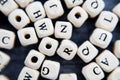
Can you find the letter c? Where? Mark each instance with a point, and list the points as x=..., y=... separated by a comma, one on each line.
x=96, y=71
x=4, y=39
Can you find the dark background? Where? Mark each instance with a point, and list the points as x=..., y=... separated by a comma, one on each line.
x=19, y=53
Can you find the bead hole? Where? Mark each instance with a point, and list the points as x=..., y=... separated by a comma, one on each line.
x=48, y=46
x=34, y=59
x=27, y=36
x=18, y=18
x=77, y=15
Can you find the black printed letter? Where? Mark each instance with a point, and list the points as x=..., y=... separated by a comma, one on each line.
x=43, y=26
x=53, y=6
x=109, y=20
x=2, y=2
x=45, y=71
x=64, y=27
x=4, y=39
x=96, y=71
x=37, y=14
x=27, y=76
x=85, y=51
x=94, y=4
x=105, y=62
x=103, y=36
x=66, y=50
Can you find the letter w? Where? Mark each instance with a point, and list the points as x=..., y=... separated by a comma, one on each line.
x=27, y=76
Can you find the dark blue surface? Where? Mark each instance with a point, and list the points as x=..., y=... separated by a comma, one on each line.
x=80, y=35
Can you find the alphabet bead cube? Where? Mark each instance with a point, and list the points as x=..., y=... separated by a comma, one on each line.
x=116, y=49
x=44, y=27
x=18, y=19
x=27, y=36
x=93, y=7
x=73, y=3
x=107, y=61
x=63, y=30
x=50, y=69
x=68, y=76
x=107, y=20
x=53, y=9
x=101, y=38
x=48, y=46
x=67, y=50
x=116, y=10
x=24, y=3
x=34, y=59
x=6, y=8
x=87, y=52
x=92, y=72
x=3, y=77
x=77, y=16
x=35, y=11
x=28, y=74
x=7, y=39
x=115, y=75
x=4, y=60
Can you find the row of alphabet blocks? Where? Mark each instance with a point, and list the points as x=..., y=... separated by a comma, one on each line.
x=106, y=61
x=50, y=69
x=53, y=8
x=48, y=46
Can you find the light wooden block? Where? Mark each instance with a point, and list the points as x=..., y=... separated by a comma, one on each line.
x=3, y=77
x=35, y=11
x=27, y=36
x=92, y=72
x=93, y=7
x=68, y=76
x=4, y=60
x=23, y=3
x=115, y=75
x=67, y=49
x=7, y=39
x=48, y=46
x=116, y=10
x=63, y=30
x=18, y=19
x=28, y=74
x=101, y=38
x=116, y=48
x=50, y=69
x=107, y=61
x=53, y=8
x=77, y=16
x=7, y=6
x=34, y=59
x=107, y=21
x=87, y=51
x=72, y=3
x=44, y=27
